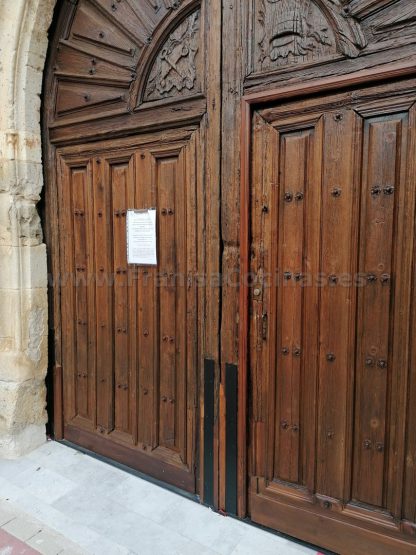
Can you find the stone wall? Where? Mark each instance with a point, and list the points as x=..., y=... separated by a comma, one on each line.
x=23, y=270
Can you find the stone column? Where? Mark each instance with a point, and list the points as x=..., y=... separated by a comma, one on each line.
x=23, y=269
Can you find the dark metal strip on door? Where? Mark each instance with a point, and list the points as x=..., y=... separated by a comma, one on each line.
x=209, y=411
x=231, y=393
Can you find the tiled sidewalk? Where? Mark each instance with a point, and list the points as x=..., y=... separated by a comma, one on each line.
x=21, y=534
x=58, y=500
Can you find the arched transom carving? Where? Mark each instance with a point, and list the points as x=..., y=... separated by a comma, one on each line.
x=291, y=32
x=109, y=51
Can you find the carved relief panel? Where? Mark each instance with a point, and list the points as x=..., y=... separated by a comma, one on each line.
x=289, y=32
x=176, y=70
x=293, y=31
x=114, y=56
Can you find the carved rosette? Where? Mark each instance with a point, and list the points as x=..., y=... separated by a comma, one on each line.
x=303, y=31
x=175, y=71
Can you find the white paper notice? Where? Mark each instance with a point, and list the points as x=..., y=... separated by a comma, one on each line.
x=141, y=237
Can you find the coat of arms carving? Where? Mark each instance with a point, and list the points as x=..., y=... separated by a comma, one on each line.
x=175, y=71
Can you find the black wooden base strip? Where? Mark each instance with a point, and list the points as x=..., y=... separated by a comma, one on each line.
x=231, y=394
x=209, y=399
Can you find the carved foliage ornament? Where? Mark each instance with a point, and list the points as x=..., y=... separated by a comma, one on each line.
x=304, y=30
x=175, y=71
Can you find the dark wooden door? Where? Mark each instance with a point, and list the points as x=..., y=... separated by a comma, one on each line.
x=129, y=333
x=332, y=341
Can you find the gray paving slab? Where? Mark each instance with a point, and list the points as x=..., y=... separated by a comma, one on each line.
x=61, y=502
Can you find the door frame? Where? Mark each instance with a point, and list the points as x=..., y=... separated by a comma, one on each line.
x=249, y=102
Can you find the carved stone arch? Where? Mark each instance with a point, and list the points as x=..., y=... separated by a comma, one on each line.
x=173, y=67
x=302, y=32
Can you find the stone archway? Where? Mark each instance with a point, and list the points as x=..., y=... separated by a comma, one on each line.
x=23, y=271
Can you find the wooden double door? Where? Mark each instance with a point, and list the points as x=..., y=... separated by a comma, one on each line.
x=332, y=346
x=275, y=137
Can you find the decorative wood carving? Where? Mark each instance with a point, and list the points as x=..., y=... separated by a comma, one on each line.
x=293, y=35
x=302, y=31
x=348, y=33
x=175, y=70
x=97, y=57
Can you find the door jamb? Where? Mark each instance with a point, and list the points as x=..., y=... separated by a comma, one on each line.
x=249, y=101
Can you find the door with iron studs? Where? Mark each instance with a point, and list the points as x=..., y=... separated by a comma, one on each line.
x=118, y=316
x=126, y=124
x=331, y=329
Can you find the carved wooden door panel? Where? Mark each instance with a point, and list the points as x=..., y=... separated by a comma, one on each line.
x=332, y=313
x=129, y=332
